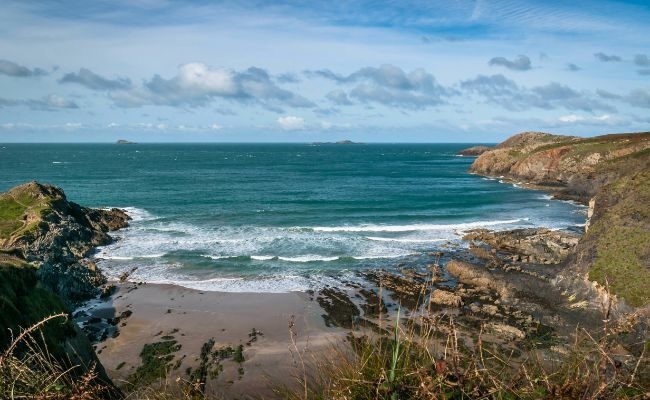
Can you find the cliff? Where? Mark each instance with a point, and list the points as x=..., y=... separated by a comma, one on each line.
x=570, y=167
x=38, y=224
x=44, y=239
x=612, y=174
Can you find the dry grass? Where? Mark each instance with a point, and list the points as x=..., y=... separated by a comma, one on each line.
x=423, y=358
x=426, y=359
x=410, y=366
x=36, y=374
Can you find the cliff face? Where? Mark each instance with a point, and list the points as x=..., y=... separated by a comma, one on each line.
x=612, y=174
x=38, y=224
x=570, y=167
x=44, y=240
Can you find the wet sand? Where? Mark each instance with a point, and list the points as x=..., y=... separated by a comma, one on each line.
x=193, y=317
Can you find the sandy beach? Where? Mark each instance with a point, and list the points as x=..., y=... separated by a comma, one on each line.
x=192, y=317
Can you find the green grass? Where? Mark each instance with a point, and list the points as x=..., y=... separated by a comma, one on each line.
x=19, y=204
x=10, y=216
x=23, y=303
x=156, y=363
x=622, y=237
x=598, y=143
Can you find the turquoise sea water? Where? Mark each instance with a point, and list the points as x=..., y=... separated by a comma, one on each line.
x=279, y=217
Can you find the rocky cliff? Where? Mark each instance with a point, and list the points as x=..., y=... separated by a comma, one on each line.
x=612, y=174
x=39, y=225
x=44, y=242
x=570, y=167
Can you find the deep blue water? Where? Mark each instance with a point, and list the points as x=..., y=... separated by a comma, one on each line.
x=275, y=217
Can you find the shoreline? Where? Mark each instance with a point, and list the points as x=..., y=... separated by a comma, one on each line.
x=257, y=321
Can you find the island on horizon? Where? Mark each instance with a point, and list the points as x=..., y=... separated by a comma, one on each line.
x=124, y=141
x=344, y=141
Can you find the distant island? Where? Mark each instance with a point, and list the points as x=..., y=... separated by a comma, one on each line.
x=346, y=141
x=123, y=141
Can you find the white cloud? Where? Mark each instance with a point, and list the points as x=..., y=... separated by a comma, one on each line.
x=199, y=77
x=198, y=84
x=571, y=118
x=291, y=123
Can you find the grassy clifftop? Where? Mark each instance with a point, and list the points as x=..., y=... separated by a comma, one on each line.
x=22, y=208
x=612, y=172
x=570, y=167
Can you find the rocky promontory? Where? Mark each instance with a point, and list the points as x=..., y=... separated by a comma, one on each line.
x=474, y=151
x=567, y=166
x=44, y=270
x=39, y=225
x=611, y=173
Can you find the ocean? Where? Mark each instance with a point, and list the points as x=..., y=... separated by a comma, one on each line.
x=280, y=217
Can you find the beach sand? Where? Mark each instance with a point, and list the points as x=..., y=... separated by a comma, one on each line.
x=193, y=317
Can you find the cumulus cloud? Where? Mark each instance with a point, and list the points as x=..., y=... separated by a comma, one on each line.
x=93, y=81
x=639, y=98
x=642, y=60
x=388, y=85
x=572, y=67
x=52, y=102
x=198, y=84
x=8, y=102
x=12, y=69
x=288, y=78
x=607, y=95
x=607, y=57
x=291, y=123
x=521, y=63
x=339, y=97
x=505, y=92
x=573, y=118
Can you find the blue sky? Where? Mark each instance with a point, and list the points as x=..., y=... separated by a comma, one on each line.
x=302, y=71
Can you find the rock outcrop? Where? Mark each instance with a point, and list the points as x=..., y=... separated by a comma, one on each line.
x=474, y=151
x=44, y=242
x=611, y=174
x=40, y=225
x=539, y=246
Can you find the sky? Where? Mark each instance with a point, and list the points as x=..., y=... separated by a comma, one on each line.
x=302, y=71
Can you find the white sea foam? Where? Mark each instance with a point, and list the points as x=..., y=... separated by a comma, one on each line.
x=283, y=283
x=404, y=240
x=138, y=214
x=179, y=252
x=108, y=257
x=414, y=227
x=308, y=258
